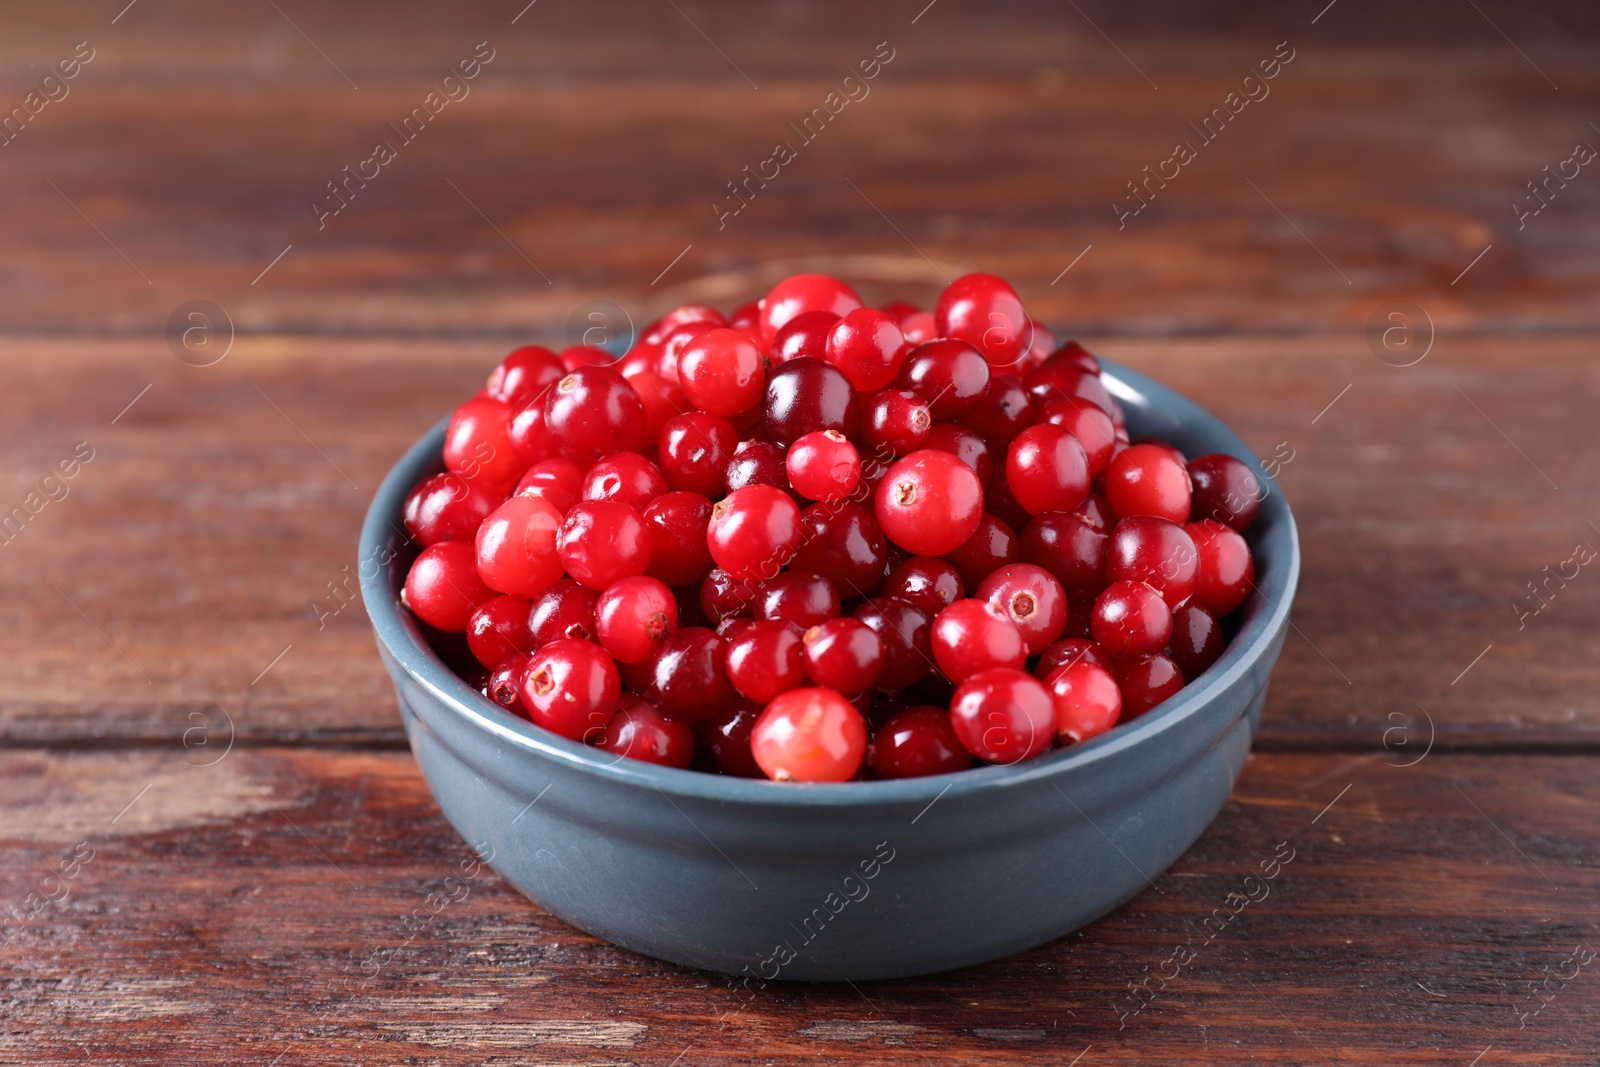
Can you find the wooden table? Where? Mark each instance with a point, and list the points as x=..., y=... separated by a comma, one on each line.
x=211, y=826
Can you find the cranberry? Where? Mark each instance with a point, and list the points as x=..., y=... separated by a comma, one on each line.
x=1004, y=410
x=800, y=293
x=516, y=546
x=896, y=420
x=504, y=685
x=641, y=732
x=868, y=346
x=688, y=679
x=1047, y=470
x=1225, y=490
x=754, y=532
x=1058, y=381
x=965, y=445
x=695, y=450
x=559, y=481
x=626, y=477
x=919, y=327
x=478, y=442
x=1146, y=682
x=991, y=546
x=498, y=629
x=1097, y=513
x=931, y=584
x=594, y=410
x=747, y=317
x=661, y=399
x=602, y=541
x=677, y=523
x=998, y=501
x=530, y=434
x=917, y=742
x=571, y=688
x=727, y=737
x=1091, y=426
x=1031, y=598
x=974, y=635
x=443, y=587
x=633, y=616
x=524, y=375
x=984, y=310
x=844, y=654
x=843, y=543
x=804, y=335
x=1087, y=700
x=950, y=375
x=758, y=463
x=585, y=356
x=1070, y=650
x=801, y=598
x=1226, y=571
x=906, y=632
x=1041, y=343
x=565, y=610
x=766, y=658
x=1075, y=355
x=1197, y=640
x=1131, y=619
x=929, y=503
x=448, y=507
x=679, y=316
x=1147, y=480
x=722, y=596
x=809, y=735
x=823, y=466
x=1003, y=716
x=807, y=395
x=1159, y=553
x=1070, y=548
x=722, y=372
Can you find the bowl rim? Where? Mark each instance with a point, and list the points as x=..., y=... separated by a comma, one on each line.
x=401, y=641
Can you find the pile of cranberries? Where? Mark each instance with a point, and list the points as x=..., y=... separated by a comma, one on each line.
x=821, y=542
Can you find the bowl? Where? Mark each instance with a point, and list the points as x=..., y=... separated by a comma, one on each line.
x=861, y=880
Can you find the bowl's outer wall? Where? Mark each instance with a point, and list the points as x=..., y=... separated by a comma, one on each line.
x=856, y=881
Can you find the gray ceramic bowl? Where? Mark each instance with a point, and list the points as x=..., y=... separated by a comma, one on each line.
x=860, y=880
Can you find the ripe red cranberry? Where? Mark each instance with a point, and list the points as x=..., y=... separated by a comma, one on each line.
x=443, y=587
x=1159, y=553
x=585, y=356
x=843, y=543
x=559, y=481
x=1070, y=650
x=688, y=678
x=916, y=742
x=524, y=375
x=571, y=688
x=1004, y=410
x=1147, y=480
x=998, y=501
x=843, y=654
x=1225, y=490
x=722, y=371
x=565, y=610
x=823, y=466
x=1227, y=573
x=448, y=507
x=726, y=736
x=991, y=546
x=1058, y=381
x=807, y=395
x=695, y=449
x=516, y=546
x=594, y=410
x=658, y=330
x=633, y=616
x=504, y=685
x=1031, y=598
x=603, y=541
x=896, y=420
x=758, y=463
x=929, y=503
x=1146, y=682
x=766, y=658
x=661, y=399
x=906, y=632
x=804, y=335
x=498, y=629
x=931, y=584
x=1075, y=355
x=809, y=735
x=1086, y=698
x=965, y=445
x=919, y=327
x=1091, y=426
x=1047, y=470
x=639, y=731
x=800, y=293
x=1003, y=716
x=1130, y=620
x=478, y=442
x=868, y=346
x=1197, y=640
x=801, y=598
x=949, y=374
x=1072, y=549
x=983, y=310
x=722, y=596
x=677, y=523
x=625, y=477
x=1041, y=344
x=974, y=635
x=529, y=433
x=1097, y=513
x=754, y=532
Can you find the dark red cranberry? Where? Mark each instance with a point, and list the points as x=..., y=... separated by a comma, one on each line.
x=498, y=629
x=448, y=507
x=1225, y=490
x=1004, y=410
x=1148, y=480
x=677, y=523
x=1197, y=640
x=1159, y=553
x=758, y=463
x=931, y=584
x=998, y=501
x=727, y=737
x=639, y=731
x=1227, y=573
x=1070, y=650
x=804, y=335
x=1058, y=381
x=965, y=445
x=801, y=598
x=688, y=677
x=806, y=395
x=524, y=375
x=1072, y=549
x=764, y=658
x=504, y=685
x=1074, y=354
x=843, y=543
x=1031, y=598
x=566, y=609
x=844, y=654
x=592, y=411
x=1002, y=715
x=695, y=451
x=950, y=375
x=896, y=421
x=443, y=587
x=722, y=596
x=906, y=632
x=571, y=688
x=1146, y=682
x=991, y=546
x=1097, y=513
x=917, y=742
x=1131, y=620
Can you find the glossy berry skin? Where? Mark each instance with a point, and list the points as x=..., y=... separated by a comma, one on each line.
x=917, y=742
x=1071, y=548
x=754, y=532
x=1130, y=620
x=565, y=610
x=658, y=330
x=603, y=541
x=1092, y=427
x=809, y=735
x=974, y=635
x=1087, y=700
x=766, y=658
x=1004, y=716
x=478, y=443
x=571, y=688
x=868, y=347
x=991, y=546
x=443, y=588
x=593, y=411
x=722, y=596
x=807, y=395
x=633, y=616
x=758, y=463
x=677, y=523
x=1062, y=380
x=1070, y=650
x=1004, y=410
x=804, y=335
x=1031, y=598
x=1097, y=513
x=929, y=503
x=516, y=546
x=504, y=686
x=843, y=543
x=965, y=445
x=843, y=654
x=906, y=632
x=801, y=598
x=983, y=310
x=1227, y=573
x=529, y=433
x=931, y=584
x=1159, y=553
x=688, y=676
x=559, y=481
x=625, y=477
x=448, y=507
x=1148, y=480
x=800, y=293
x=1146, y=682
x=1075, y=355
x=524, y=375
x=639, y=731
x=1047, y=470
x=726, y=737
x=823, y=466
x=1225, y=490
x=498, y=629
x=722, y=372
x=661, y=399
x=896, y=421
x=695, y=450
x=949, y=374
x=1197, y=640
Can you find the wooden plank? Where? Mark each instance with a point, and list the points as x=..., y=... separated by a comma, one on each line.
x=275, y=904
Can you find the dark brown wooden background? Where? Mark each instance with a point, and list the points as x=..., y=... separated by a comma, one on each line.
x=169, y=604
